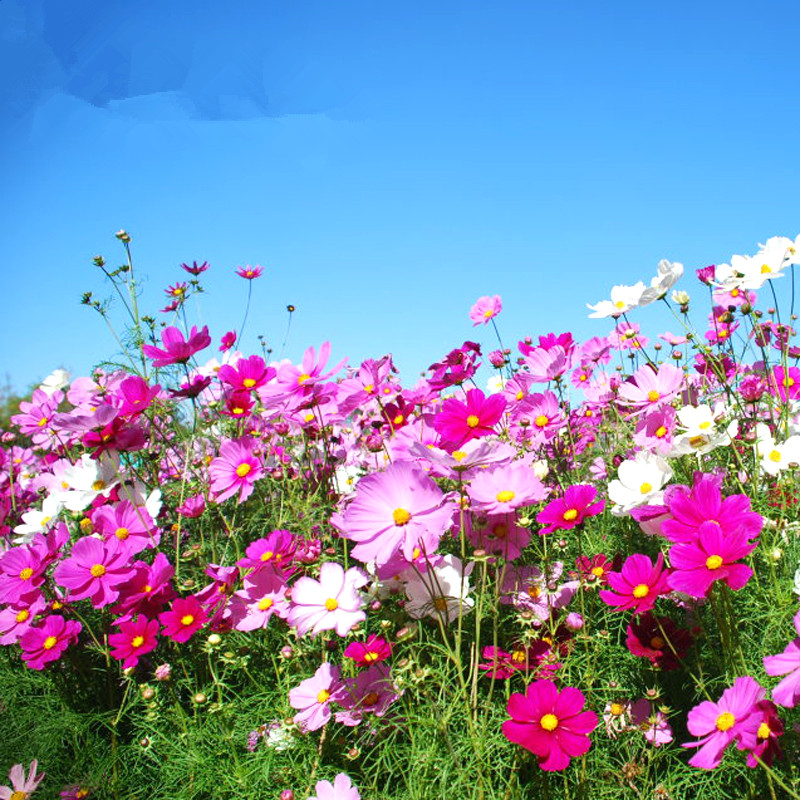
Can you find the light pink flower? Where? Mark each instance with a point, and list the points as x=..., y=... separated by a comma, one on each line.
x=314, y=696
x=236, y=469
x=332, y=602
x=341, y=789
x=21, y=787
x=504, y=488
x=485, y=309
x=787, y=692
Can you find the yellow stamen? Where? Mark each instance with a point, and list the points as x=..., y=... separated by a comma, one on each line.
x=50, y=642
x=725, y=721
x=506, y=496
x=616, y=709
x=473, y=421
x=763, y=731
x=265, y=603
x=98, y=570
x=23, y=615
x=187, y=619
x=248, y=383
x=323, y=696
x=570, y=514
x=641, y=591
x=775, y=456
x=541, y=421
x=661, y=432
x=401, y=516
x=243, y=469
x=549, y=722
x=137, y=641
x=122, y=533
x=653, y=395
x=714, y=562
x=657, y=643
x=646, y=488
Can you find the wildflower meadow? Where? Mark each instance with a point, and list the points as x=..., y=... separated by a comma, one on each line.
x=558, y=569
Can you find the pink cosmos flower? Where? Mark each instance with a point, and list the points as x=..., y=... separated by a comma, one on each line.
x=184, y=618
x=399, y=511
x=549, y=723
x=373, y=651
x=638, y=585
x=458, y=423
x=236, y=469
x=177, y=350
x=371, y=692
x=649, y=389
x=651, y=722
x=192, y=507
x=655, y=430
x=134, y=395
x=17, y=618
x=547, y=364
x=497, y=534
x=769, y=729
x=21, y=574
x=46, y=642
x=505, y=488
x=314, y=696
x=332, y=602
x=196, y=268
x=659, y=640
x=148, y=590
x=626, y=337
x=127, y=523
x=299, y=381
x=227, y=341
x=565, y=513
x=95, y=569
x=713, y=556
x=485, y=309
x=785, y=383
x=134, y=640
x=21, y=787
x=275, y=550
x=263, y=596
x=249, y=273
x=734, y=717
x=248, y=375
x=341, y=789
x=787, y=692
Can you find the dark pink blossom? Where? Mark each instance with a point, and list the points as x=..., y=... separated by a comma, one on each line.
x=95, y=569
x=638, y=585
x=47, y=641
x=183, y=620
x=134, y=640
x=177, y=350
x=565, y=513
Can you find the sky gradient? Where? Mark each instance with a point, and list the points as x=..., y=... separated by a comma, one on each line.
x=387, y=163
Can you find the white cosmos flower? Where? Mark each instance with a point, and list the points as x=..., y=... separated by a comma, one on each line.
x=34, y=521
x=85, y=480
x=440, y=591
x=668, y=274
x=639, y=482
x=57, y=379
x=775, y=457
x=623, y=299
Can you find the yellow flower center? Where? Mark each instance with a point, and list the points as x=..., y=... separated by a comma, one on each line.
x=19, y=796
x=641, y=591
x=23, y=615
x=50, y=642
x=26, y=574
x=725, y=721
x=616, y=709
x=500, y=531
x=399, y=419
x=98, y=486
x=549, y=722
x=187, y=619
x=267, y=555
x=371, y=699
x=788, y=381
x=765, y=269
x=697, y=441
x=763, y=731
x=122, y=533
x=570, y=514
x=506, y=496
x=440, y=604
x=734, y=292
x=598, y=572
x=541, y=421
x=265, y=603
x=519, y=395
x=243, y=469
x=97, y=570
x=301, y=379
x=488, y=314
x=370, y=657
x=714, y=562
x=704, y=426
x=519, y=657
x=774, y=456
x=42, y=422
x=473, y=421
x=619, y=304
x=646, y=488
x=401, y=516
x=369, y=388
x=248, y=383
x=323, y=696
x=331, y=604
x=459, y=455
x=661, y=432
x=653, y=395
x=137, y=641
x=534, y=592
x=657, y=643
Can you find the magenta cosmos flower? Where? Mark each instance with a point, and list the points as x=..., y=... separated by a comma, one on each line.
x=638, y=585
x=485, y=309
x=332, y=602
x=184, y=618
x=249, y=273
x=399, y=511
x=177, y=350
x=134, y=640
x=341, y=789
x=569, y=511
x=313, y=697
x=95, y=569
x=48, y=641
x=504, y=488
x=236, y=469
x=712, y=557
x=735, y=716
x=365, y=654
x=552, y=725
x=787, y=692
x=703, y=502
x=458, y=423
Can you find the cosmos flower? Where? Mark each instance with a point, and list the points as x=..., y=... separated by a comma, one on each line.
x=249, y=273
x=341, y=789
x=485, y=309
x=638, y=585
x=177, y=350
x=314, y=696
x=549, y=723
x=787, y=692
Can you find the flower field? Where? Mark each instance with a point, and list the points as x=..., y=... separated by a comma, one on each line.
x=223, y=575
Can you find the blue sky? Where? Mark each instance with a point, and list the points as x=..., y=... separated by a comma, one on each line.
x=387, y=163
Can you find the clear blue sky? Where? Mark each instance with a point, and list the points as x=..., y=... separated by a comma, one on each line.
x=386, y=162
